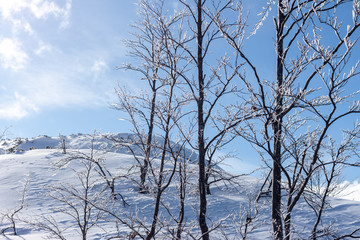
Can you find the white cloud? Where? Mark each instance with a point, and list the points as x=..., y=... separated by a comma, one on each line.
x=57, y=72
x=54, y=89
x=66, y=14
x=42, y=9
x=16, y=12
x=13, y=111
x=11, y=54
x=39, y=8
x=21, y=24
x=50, y=87
x=7, y=8
x=18, y=108
x=43, y=47
x=99, y=66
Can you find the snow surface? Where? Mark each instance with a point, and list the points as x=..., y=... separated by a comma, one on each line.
x=43, y=168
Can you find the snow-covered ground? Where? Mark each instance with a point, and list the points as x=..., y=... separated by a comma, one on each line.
x=41, y=172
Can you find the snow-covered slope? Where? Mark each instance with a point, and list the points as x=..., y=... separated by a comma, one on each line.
x=74, y=141
x=43, y=171
x=109, y=142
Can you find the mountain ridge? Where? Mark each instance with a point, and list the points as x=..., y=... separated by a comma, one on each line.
x=110, y=142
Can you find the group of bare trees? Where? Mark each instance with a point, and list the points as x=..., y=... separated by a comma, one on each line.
x=203, y=89
x=173, y=51
x=302, y=107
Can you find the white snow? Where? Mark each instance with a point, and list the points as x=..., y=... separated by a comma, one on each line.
x=351, y=190
x=226, y=205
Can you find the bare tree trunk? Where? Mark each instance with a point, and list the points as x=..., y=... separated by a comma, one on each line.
x=145, y=166
x=287, y=225
x=277, y=128
x=207, y=184
x=167, y=115
x=201, y=126
x=182, y=192
x=160, y=190
x=147, y=50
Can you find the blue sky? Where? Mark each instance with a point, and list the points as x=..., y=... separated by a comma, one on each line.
x=58, y=64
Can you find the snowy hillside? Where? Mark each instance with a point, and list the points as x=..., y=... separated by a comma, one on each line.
x=49, y=181
x=75, y=141
x=108, y=142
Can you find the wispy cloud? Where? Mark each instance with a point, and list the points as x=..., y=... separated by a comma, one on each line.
x=49, y=90
x=17, y=14
x=41, y=9
x=12, y=55
x=99, y=66
x=47, y=67
x=17, y=108
x=26, y=59
x=42, y=48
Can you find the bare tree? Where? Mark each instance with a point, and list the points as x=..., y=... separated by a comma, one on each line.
x=327, y=176
x=99, y=165
x=11, y=216
x=148, y=49
x=312, y=79
x=62, y=143
x=157, y=47
x=49, y=225
x=178, y=48
x=78, y=203
x=208, y=84
x=168, y=113
x=244, y=221
x=183, y=179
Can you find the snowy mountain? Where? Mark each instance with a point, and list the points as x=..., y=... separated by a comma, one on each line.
x=109, y=142
x=50, y=180
x=74, y=141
